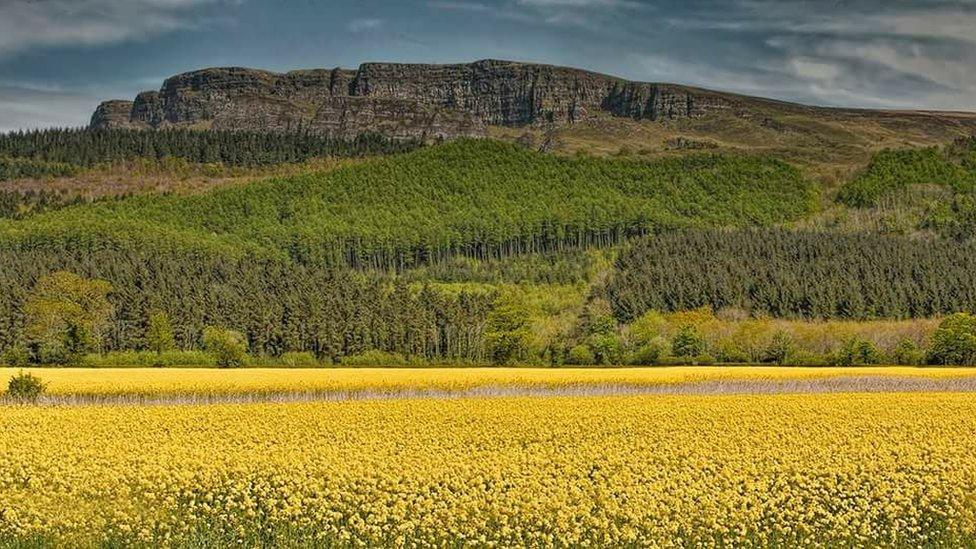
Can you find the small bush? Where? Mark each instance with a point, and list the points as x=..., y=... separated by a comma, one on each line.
x=25, y=387
x=229, y=348
x=581, y=355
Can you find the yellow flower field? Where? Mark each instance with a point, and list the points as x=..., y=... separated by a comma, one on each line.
x=195, y=381
x=817, y=470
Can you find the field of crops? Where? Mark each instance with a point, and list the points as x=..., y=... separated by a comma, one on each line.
x=176, y=382
x=835, y=469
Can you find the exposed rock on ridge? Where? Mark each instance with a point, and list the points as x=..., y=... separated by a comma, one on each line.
x=401, y=100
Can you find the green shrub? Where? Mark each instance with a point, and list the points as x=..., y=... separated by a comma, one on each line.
x=298, y=360
x=16, y=355
x=374, y=357
x=649, y=353
x=687, y=342
x=606, y=349
x=907, y=353
x=857, y=352
x=581, y=355
x=229, y=348
x=728, y=350
x=800, y=357
x=143, y=359
x=954, y=341
x=779, y=349
x=25, y=387
x=697, y=360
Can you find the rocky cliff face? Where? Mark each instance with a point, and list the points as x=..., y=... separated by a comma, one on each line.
x=401, y=100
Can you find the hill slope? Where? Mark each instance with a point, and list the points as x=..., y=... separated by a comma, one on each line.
x=479, y=198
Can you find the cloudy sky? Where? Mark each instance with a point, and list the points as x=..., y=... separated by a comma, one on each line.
x=59, y=58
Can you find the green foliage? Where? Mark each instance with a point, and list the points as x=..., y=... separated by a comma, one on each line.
x=143, y=359
x=907, y=353
x=17, y=168
x=66, y=315
x=894, y=170
x=15, y=204
x=15, y=355
x=688, y=342
x=952, y=168
x=480, y=199
x=780, y=348
x=954, y=342
x=159, y=333
x=228, y=347
x=857, y=352
x=374, y=357
x=728, y=350
x=508, y=334
x=649, y=352
x=25, y=387
x=581, y=355
x=607, y=348
x=294, y=359
x=955, y=219
x=280, y=306
x=47, y=151
x=794, y=274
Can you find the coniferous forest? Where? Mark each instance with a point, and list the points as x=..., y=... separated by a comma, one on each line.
x=474, y=251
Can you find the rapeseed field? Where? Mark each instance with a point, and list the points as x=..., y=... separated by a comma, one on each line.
x=134, y=382
x=851, y=469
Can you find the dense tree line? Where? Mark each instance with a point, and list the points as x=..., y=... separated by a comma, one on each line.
x=479, y=199
x=84, y=147
x=278, y=306
x=794, y=274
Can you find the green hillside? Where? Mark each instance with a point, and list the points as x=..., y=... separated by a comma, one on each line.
x=480, y=198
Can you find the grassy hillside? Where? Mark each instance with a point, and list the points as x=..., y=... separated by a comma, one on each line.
x=915, y=190
x=480, y=198
x=829, y=145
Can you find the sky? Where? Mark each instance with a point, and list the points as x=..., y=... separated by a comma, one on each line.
x=60, y=58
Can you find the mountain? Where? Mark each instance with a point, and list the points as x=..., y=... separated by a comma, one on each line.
x=553, y=108
x=402, y=100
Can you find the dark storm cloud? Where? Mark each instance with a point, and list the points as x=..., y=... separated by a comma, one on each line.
x=894, y=53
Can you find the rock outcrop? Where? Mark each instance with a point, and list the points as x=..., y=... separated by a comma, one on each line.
x=401, y=100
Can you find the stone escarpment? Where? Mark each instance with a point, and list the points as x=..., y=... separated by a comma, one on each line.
x=401, y=100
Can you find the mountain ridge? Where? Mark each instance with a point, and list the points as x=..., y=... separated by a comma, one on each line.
x=418, y=101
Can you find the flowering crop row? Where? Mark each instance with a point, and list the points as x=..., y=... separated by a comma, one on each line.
x=194, y=381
